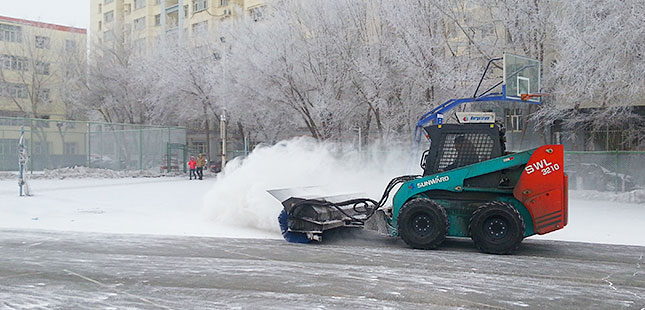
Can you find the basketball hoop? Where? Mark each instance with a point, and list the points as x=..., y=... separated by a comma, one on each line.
x=526, y=97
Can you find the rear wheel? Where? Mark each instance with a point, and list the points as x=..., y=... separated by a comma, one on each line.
x=423, y=223
x=497, y=228
x=295, y=237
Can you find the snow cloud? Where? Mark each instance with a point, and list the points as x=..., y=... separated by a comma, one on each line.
x=240, y=198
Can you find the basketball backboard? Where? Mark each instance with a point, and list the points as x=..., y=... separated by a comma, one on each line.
x=521, y=76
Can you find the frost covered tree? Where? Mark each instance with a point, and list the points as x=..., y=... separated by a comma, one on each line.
x=189, y=87
x=73, y=87
x=120, y=83
x=338, y=64
x=600, y=66
x=294, y=59
x=326, y=68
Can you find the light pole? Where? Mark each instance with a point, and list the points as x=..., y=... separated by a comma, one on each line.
x=222, y=129
x=222, y=132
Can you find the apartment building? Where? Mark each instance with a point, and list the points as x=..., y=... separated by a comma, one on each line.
x=35, y=58
x=147, y=23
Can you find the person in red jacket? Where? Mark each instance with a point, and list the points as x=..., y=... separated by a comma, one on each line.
x=192, y=163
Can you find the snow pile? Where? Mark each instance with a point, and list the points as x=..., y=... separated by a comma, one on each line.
x=80, y=172
x=96, y=173
x=8, y=175
x=635, y=196
x=239, y=196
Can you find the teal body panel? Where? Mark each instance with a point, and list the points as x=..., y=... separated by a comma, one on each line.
x=453, y=181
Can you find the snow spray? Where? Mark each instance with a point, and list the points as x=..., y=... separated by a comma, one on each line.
x=239, y=197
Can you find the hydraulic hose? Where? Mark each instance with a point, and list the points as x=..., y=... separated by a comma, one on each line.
x=364, y=206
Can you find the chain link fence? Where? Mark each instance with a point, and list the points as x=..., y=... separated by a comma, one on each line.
x=55, y=144
x=615, y=171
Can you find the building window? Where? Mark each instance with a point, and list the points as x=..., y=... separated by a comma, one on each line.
x=158, y=20
x=199, y=5
x=70, y=148
x=157, y=2
x=140, y=23
x=20, y=63
x=186, y=11
x=200, y=28
x=42, y=42
x=139, y=4
x=612, y=138
x=16, y=63
x=14, y=90
x=127, y=8
x=100, y=8
x=223, y=2
x=108, y=36
x=200, y=147
x=42, y=67
x=44, y=94
x=100, y=25
x=108, y=1
x=10, y=33
x=514, y=120
x=5, y=62
x=41, y=148
x=256, y=13
x=70, y=45
x=109, y=16
x=21, y=91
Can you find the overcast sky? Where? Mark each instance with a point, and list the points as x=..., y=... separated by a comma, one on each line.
x=74, y=13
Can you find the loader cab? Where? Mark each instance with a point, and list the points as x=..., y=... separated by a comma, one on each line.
x=456, y=145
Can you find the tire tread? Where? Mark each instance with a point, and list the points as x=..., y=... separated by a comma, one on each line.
x=441, y=238
x=516, y=214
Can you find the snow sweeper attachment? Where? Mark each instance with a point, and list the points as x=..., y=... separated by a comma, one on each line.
x=305, y=218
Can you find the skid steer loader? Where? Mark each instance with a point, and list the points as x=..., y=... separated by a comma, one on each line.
x=470, y=186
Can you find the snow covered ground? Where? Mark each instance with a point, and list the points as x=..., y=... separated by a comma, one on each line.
x=177, y=206
x=166, y=206
x=236, y=204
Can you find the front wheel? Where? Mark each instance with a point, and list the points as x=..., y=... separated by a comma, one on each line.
x=497, y=228
x=423, y=223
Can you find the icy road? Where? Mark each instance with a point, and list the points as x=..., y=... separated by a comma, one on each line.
x=79, y=270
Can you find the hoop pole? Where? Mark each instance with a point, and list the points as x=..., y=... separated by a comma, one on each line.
x=484, y=75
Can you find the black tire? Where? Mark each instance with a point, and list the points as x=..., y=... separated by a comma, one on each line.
x=423, y=223
x=497, y=228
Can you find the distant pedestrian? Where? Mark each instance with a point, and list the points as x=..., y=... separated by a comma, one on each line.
x=192, y=164
x=201, y=162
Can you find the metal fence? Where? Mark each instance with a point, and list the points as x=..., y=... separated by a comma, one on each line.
x=606, y=171
x=55, y=144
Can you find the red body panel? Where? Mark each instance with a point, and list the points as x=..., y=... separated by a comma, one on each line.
x=542, y=188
